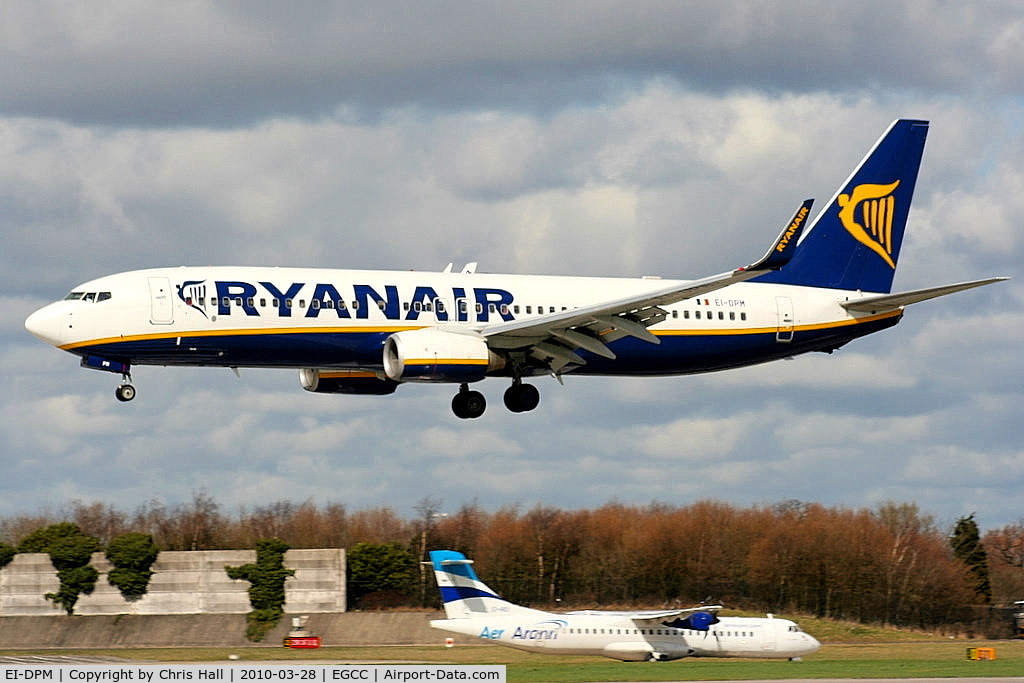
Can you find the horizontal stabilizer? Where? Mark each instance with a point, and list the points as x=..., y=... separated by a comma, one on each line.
x=891, y=301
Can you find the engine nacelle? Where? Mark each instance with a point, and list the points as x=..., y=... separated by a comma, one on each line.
x=433, y=355
x=345, y=382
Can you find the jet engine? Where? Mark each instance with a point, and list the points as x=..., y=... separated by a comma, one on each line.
x=325, y=381
x=433, y=355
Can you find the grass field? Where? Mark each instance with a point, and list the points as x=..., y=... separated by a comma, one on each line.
x=931, y=658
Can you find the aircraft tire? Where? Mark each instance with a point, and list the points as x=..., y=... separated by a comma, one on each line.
x=521, y=398
x=469, y=404
x=125, y=392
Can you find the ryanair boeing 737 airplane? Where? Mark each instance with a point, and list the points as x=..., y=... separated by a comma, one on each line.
x=473, y=609
x=366, y=332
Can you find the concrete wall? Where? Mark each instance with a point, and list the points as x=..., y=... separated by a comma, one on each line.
x=216, y=630
x=182, y=583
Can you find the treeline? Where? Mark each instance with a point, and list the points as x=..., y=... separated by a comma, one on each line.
x=889, y=565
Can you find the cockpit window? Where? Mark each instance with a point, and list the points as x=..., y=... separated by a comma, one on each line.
x=91, y=297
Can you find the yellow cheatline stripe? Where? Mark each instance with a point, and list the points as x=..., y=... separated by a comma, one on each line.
x=693, y=332
x=248, y=332
x=697, y=332
x=444, y=361
x=347, y=374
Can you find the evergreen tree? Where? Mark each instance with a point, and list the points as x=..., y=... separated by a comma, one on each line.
x=967, y=546
x=380, y=568
x=132, y=554
x=70, y=552
x=266, y=592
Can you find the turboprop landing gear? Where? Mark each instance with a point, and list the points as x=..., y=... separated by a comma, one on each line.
x=521, y=398
x=468, y=404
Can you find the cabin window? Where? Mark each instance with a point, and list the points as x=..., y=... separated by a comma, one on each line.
x=721, y=315
x=529, y=310
x=743, y=315
x=263, y=303
x=276, y=303
x=341, y=305
x=504, y=309
x=439, y=305
x=696, y=314
x=355, y=305
x=417, y=306
x=329, y=303
x=315, y=303
x=249, y=302
x=302, y=303
x=479, y=308
x=381, y=304
x=287, y=303
x=732, y=315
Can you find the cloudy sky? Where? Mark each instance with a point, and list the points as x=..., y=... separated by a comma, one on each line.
x=587, y=138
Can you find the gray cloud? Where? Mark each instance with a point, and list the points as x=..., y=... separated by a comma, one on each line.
x=619, y=139
x=225, y=63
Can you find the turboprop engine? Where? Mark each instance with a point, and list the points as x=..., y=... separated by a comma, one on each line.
x=432, y=355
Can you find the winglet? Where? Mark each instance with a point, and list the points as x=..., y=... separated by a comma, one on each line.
x=785, y=246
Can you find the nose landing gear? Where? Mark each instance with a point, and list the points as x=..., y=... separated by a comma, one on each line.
x=125, y=391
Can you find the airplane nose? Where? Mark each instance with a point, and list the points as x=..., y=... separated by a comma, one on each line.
x=45, y=324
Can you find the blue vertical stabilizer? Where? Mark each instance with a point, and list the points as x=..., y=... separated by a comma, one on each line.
x=854, y=243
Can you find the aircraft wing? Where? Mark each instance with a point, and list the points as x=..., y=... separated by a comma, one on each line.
x=699, y=617
x=888, y=301
x=554, y=339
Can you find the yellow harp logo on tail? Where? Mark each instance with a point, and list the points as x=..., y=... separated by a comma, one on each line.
x=874, y=205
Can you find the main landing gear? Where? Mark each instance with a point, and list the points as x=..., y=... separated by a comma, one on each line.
x=468, y=404
x=519, y=398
